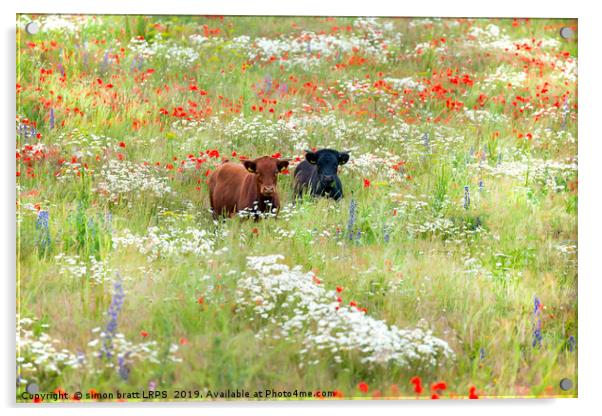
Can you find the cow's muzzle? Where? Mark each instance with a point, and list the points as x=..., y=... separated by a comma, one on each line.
x=268, y=190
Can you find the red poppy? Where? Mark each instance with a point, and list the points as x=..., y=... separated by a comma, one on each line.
x=417, y=382
x=144, y=334
x=366, y=183
x=472, y=393
x=363, y=387
x=439, y=386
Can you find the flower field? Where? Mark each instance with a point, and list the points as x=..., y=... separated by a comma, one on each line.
x=447, y=270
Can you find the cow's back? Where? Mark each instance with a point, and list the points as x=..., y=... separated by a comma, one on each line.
x=305, y=173
x=226, y=185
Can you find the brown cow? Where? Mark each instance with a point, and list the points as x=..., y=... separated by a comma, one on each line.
x=248, y=186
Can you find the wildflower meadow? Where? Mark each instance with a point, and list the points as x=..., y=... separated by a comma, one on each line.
x=448, y=270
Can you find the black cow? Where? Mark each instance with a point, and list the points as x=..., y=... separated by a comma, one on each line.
x=318, y=173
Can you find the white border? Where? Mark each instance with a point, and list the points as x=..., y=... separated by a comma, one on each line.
x=590, y=154
x=506, y=8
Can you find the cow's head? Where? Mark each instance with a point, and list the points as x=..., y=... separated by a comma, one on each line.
x=327, y=162
x=266, y=171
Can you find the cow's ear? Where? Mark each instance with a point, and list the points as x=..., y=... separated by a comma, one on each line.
x=311, y=157
x=343, y=158
x=250, y=165
x=282, y=164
